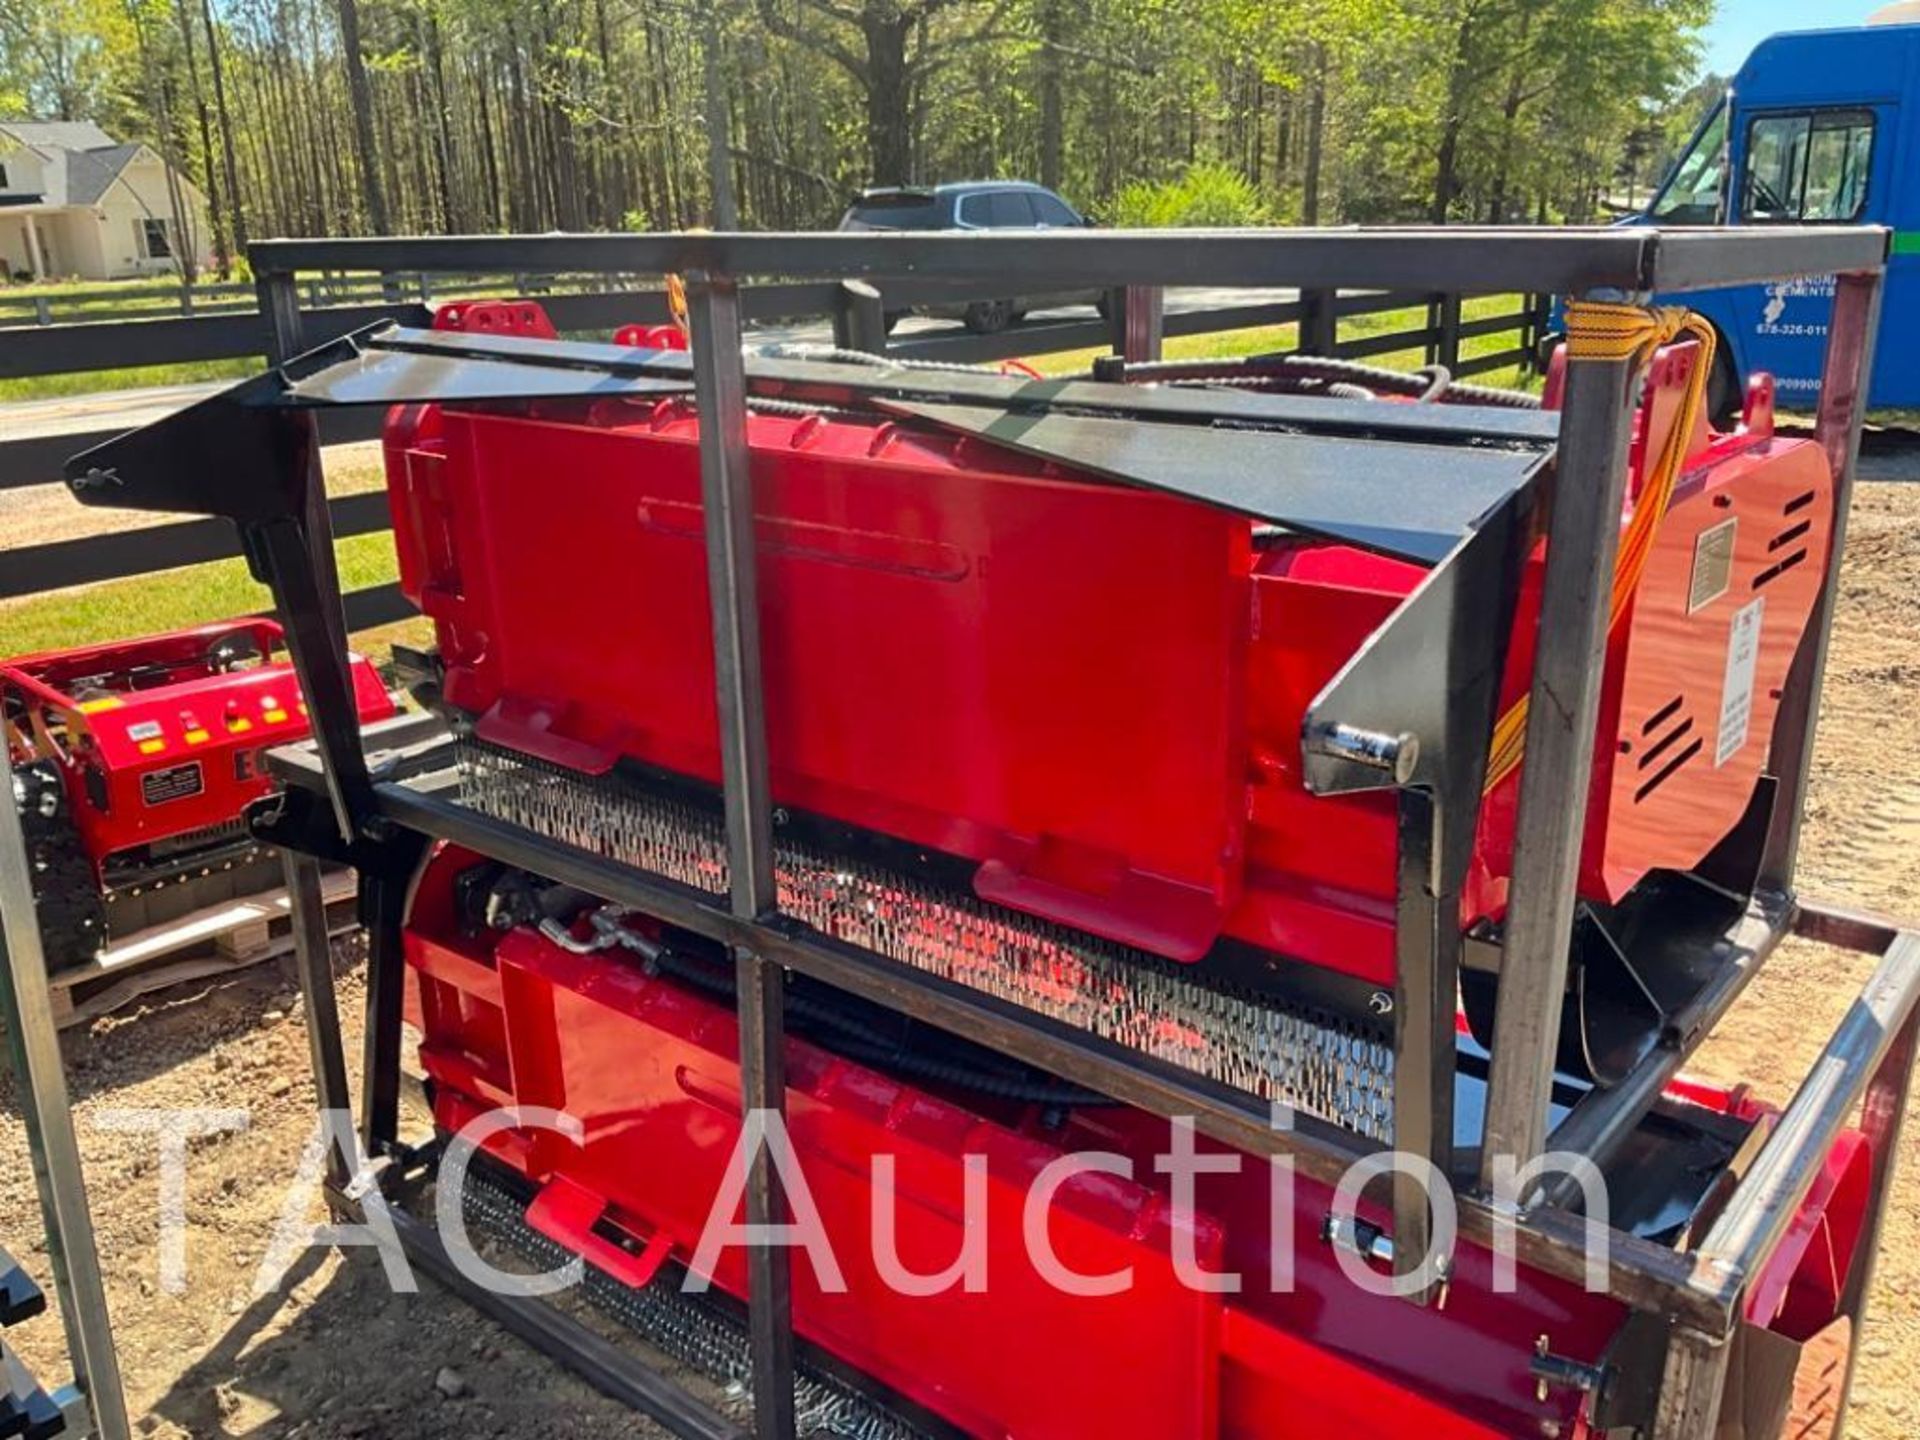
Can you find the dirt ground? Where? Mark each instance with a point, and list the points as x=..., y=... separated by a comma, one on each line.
x=336, y=1355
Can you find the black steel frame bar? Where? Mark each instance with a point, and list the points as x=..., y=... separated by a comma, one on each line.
x=1468, y=260
x=383, y=904
x=1584, y=535
x=1851, y=335
x=1598, y=1125
x=1424, y=1061
x=1643, y=1275
x=313, y=962
x=727, y=502
x=33, y=1044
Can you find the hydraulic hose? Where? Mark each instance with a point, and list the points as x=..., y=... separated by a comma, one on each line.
x=1433, y=384
x=834, y=354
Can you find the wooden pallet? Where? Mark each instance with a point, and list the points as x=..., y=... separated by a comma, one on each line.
x=219, y=940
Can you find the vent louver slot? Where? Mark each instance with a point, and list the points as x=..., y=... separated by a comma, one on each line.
x=1660, y=717
x=1671, y=748
x=1667, y=742
x=1788, y=536
x=1667, y=771
x=1773, y=572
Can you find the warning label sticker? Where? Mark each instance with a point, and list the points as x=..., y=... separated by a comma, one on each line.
x=1712, y=564
x=1736, y=691
x=177, y=782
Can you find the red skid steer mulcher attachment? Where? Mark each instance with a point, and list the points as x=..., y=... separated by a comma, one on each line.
x=1151, y=769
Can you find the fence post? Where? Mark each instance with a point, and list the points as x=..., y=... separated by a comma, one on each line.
x=1319, y=326
x=859, y=318
x=42, y=310
x=1533, y=334
x=280, y=307
x=1446, y=348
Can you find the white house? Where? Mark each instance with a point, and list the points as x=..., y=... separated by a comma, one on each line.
x=75, y=203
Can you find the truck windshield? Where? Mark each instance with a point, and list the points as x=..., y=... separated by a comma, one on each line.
x=1692, y=193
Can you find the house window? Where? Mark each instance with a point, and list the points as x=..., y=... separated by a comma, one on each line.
x=1808, y=168
x=154, y=241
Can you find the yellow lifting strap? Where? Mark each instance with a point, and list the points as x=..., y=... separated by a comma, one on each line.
x=677, y=304
x=1599, y=331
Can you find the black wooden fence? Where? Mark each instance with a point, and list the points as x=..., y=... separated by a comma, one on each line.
x=854, y=311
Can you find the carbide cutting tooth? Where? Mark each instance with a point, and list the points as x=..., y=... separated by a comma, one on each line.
x=1305, y=1059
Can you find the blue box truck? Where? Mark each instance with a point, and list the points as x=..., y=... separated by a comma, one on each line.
x=1818, y=128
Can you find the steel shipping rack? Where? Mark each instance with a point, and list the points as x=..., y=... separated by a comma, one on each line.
x=375, y=810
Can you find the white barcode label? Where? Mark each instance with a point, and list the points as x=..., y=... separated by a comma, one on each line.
x=1736, y=691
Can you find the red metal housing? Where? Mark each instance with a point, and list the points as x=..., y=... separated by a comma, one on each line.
x=1094, y=693
x=648, y=1067
x=159, y=739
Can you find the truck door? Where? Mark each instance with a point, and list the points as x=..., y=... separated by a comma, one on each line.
x=1810, y=165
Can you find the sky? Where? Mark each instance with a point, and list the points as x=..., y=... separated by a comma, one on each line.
x=1740, y=24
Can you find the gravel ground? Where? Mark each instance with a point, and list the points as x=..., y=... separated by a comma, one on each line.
x=334, y=1353
x=337, y=1355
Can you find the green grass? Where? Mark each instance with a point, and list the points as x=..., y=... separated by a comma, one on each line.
x=144, y=296
x=137, y=288
x=1231, y=344
x=170, y=600
x=89, y=382
x=157, y=297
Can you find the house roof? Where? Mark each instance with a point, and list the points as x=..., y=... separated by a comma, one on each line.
x=88, y=173
x=83, y=160
x=58, y=134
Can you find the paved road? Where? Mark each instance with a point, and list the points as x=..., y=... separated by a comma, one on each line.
x=107, y=409
x=101, y=410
